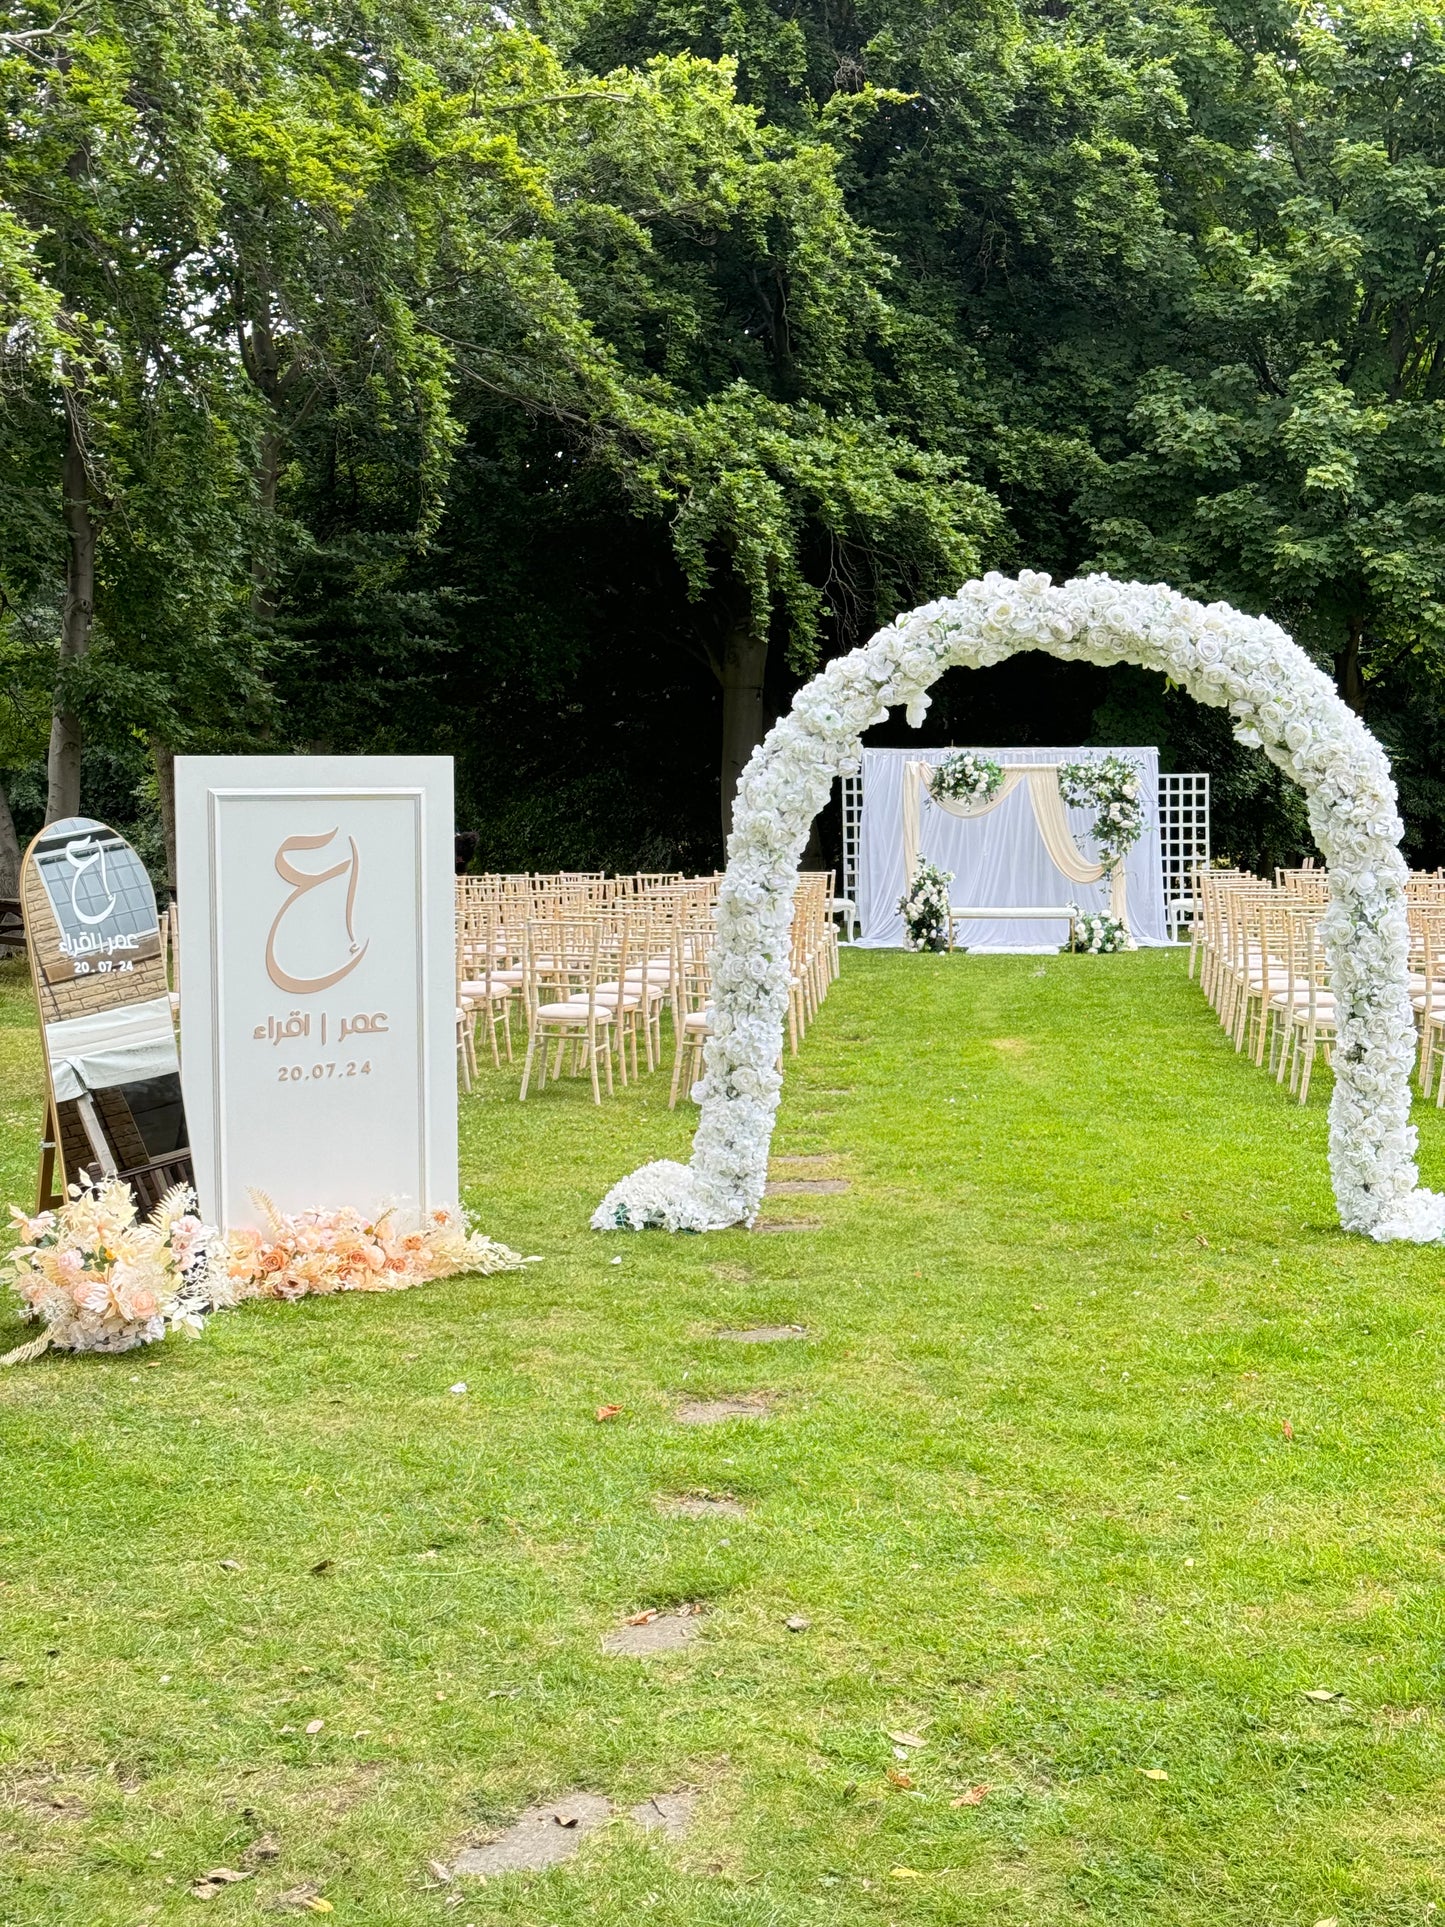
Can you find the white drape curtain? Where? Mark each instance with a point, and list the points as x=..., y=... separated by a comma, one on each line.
x=1049, y=814
x=109, y=1047
x=1005, y=853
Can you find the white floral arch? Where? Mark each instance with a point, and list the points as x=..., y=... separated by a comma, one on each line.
x=1280, y=702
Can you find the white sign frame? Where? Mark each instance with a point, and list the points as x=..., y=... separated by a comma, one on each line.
x=230, y=866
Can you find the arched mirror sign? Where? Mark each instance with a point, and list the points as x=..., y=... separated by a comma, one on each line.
x=98, y=959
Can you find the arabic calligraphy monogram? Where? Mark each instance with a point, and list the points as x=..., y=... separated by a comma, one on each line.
x=302, y=882
x=81, y=864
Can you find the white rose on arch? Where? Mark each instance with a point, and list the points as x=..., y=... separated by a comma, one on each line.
x=1279, y=698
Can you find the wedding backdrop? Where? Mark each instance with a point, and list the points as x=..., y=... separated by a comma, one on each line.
x=998, y=857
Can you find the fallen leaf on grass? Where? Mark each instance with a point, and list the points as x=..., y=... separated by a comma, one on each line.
x=314, y=1726
x=974, y=1797
x=323, y=1565
x=1154, y=1773
x=906, y=1873
x=1288, y=1429
x=565, y=1819
x=206, y=1886
x=439, y=1870
x=230, y=1565
x=1331, y=1921
x=900, y=1779
x=907, y=1739
x=305, y=1900
x=267, y=1847
x=605, y=1412
x=1200, y=1239
x=1321, y=1693
x=643, y=1618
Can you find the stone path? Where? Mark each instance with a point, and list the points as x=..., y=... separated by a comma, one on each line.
x=713, y=1411
x=541, y=1838
x=546, y=1835
x=667, y=1813
x=699, y=1505
x=664, y=1634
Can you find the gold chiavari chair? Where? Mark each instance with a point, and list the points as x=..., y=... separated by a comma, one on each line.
x=1429, y=1001
x=692, y=1015
x=466, y=1018
x=1312, y=1023
x=564, y=957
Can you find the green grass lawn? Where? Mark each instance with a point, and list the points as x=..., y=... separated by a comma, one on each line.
x=1027, y=1477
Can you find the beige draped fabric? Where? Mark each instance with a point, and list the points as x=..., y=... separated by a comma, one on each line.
x=1049, y=814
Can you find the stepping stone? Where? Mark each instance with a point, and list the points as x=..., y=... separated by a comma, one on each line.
x=713, y=1411
x=765, y=1225
x=669, y=1814
x=810, y=1160
x=661, y=1635
x=764, y=1334
x=805, y=1187
x=542, y=1838
x=696, y=1505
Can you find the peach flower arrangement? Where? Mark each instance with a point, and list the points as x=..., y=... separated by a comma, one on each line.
x=102, y=1279
x=304, y=1253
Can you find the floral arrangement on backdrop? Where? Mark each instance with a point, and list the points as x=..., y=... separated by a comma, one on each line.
x=965, y=777
x=1280, y=701
x=1110, y=786
x=1096, y=931
x=102, y=1280
x=309, y=1253
x=924, y=907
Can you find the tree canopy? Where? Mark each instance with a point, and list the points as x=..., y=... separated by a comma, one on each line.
x=556, y=390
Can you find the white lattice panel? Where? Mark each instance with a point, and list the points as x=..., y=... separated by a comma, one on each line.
x=1183, y=841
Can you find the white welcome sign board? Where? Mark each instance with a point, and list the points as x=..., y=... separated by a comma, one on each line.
x=318, y=987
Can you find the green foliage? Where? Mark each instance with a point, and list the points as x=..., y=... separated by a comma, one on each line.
x=419, y=358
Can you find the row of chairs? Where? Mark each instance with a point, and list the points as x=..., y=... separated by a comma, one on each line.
x=593, y=963
x=1262, y=965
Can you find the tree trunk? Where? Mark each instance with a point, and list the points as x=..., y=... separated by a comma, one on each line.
x=1348, y=676
x=164, y=758
x=744, y=660
x=76, y=617
x=268, y=478
x=9, y=850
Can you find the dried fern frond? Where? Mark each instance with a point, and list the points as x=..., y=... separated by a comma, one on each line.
x=23, y=1354
x=176, y=1202
x=267, y=1204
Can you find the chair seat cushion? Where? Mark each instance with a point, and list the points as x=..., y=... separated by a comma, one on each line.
x=572, y=1013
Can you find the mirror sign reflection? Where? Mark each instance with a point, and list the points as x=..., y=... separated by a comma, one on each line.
x=98, y=963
